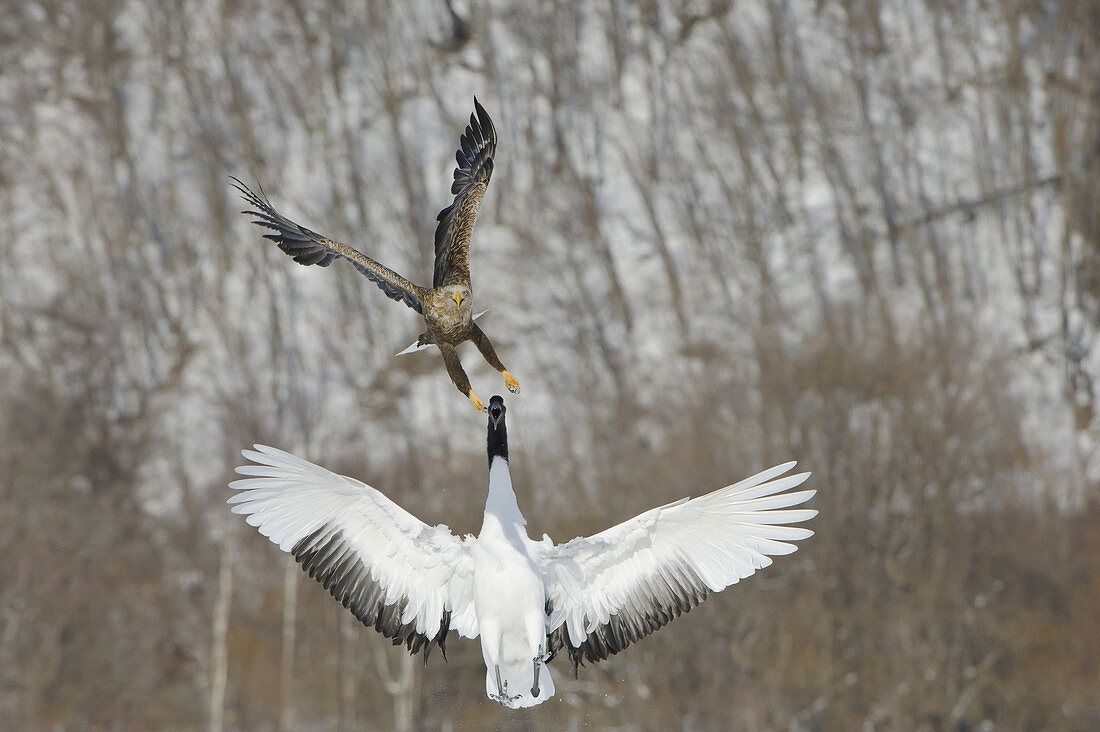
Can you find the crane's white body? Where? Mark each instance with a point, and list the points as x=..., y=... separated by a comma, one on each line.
x=510, y=598
x=590, y=597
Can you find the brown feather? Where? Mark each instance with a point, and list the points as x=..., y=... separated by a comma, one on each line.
x=456, y=222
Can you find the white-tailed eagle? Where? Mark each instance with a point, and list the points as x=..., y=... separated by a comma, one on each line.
x=447, y=306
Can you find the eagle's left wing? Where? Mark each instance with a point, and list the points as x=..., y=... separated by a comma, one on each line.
x=409, y=581
x=612, y=589
x=456, y=222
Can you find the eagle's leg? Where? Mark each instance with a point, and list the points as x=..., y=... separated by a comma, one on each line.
x=458, y=376
x=486, y=347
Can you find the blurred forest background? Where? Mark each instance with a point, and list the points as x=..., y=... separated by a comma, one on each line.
x=864, y=235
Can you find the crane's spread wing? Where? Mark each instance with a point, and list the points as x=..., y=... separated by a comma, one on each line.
x=607, y=591
x=410, y=581
x=456, y=222
x=309, y=247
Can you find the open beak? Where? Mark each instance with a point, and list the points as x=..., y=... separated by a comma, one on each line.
x=495, y=413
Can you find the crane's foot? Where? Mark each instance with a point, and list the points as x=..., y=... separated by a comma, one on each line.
x=478, y=404
x=504, y=699
x=511, y=382
x=502, y=696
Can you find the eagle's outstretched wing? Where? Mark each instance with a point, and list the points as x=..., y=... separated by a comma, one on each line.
x=409, y=581
x=607, y=591
x=309, y=247
x=456, y=222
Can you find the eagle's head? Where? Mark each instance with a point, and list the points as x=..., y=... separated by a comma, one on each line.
x=457, y=299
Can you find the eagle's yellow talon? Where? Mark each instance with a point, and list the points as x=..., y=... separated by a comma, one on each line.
x=511, y=382
x=478, y=404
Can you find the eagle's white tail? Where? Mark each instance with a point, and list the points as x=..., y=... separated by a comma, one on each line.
x=518, y=682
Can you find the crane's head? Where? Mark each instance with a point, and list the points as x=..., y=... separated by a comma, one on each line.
x=496, y=412
x=498, y=432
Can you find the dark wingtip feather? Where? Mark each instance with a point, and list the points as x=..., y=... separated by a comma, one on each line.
x=251, y=198
x=441, y=636
x=482, y=115
x=347, y=578
x=239, y=185
x=487, y=127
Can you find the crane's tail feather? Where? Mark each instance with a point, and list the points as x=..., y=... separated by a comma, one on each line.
x=517, y=682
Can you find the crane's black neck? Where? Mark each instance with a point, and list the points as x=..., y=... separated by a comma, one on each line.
x=498, y=430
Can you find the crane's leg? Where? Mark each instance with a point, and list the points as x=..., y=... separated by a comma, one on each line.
x=535, y=686
x=502, y=696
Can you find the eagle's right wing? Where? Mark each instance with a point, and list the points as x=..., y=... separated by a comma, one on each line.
x=309, y=247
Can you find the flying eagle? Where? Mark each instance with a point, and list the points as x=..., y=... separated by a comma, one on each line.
x=528, y=600
x=448, y=306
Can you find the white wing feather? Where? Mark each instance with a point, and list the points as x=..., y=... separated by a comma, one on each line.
x=288, y=499
x=643, y=563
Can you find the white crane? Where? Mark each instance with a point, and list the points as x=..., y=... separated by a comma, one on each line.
x=527, y=600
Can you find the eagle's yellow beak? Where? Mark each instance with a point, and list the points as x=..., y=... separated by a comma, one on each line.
x=458, y=297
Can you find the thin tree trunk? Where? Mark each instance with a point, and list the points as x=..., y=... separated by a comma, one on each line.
x=349, y=647
x=219, y=656
x=401, y=686
x=286, y=674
